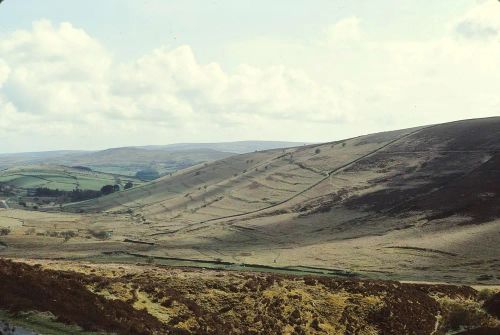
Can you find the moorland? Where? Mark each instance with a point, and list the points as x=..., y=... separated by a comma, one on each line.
x=388, y=233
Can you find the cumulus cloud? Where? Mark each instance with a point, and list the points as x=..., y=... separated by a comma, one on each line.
x=57, y=81
x=60, y=74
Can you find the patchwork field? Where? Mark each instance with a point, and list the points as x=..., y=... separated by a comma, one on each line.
x=61, y=177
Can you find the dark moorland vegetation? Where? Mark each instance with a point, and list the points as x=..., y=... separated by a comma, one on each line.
x=77, y=194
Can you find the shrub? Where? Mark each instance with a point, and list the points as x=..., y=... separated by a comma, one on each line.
x=462, y=313
x=107, y=189
x=492, y=305
x=67, y=235
x=485, y=294
x=4, y=231
x=100, y=234
x=317, y=151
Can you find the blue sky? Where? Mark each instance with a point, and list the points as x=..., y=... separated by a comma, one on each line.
x=157, y=72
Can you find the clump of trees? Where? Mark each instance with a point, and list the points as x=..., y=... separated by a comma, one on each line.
x=83, y=168
x=47, y=192
x=76, y=194
x=108, y=189
x=73, y=196
x=147, y=174
x=80, y=195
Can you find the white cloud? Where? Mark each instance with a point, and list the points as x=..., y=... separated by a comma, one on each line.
x=347, y=29
x=4, y=72
x=61, y=78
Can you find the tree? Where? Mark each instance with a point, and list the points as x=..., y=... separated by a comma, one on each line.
x=107, y=189
x=128, y=185
x=116, y=188
x=147, y=174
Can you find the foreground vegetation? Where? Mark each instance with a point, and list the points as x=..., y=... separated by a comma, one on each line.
x=146, y=299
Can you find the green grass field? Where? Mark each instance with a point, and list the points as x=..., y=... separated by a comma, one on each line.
x=60, y=177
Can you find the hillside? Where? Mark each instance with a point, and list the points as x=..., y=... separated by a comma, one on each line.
x=408, y=204
x=59, y=177
x=129, y=160
x=13, y=159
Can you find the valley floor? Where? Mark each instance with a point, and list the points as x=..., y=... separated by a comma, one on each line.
x=465, y=254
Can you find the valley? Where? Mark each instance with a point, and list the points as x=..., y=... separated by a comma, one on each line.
x=379, y=206
x=414, y=206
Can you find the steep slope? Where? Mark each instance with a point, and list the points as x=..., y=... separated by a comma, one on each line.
x=418, y=203
x=393, y=172
x=245, y=183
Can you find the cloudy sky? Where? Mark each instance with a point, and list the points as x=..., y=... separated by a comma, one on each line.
x=95, y=74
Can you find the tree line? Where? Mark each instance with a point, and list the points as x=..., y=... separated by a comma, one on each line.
x=79, y=194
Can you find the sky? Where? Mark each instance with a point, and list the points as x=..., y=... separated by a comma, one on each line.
x=97, y=74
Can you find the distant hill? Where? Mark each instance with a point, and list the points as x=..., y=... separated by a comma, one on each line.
x=12, y=159
x=130, y=160
x=240, y=147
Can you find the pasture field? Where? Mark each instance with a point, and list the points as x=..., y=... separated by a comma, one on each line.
x=61, y=177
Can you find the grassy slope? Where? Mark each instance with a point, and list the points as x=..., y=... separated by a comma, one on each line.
x=383, y=204
x=60, y=177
